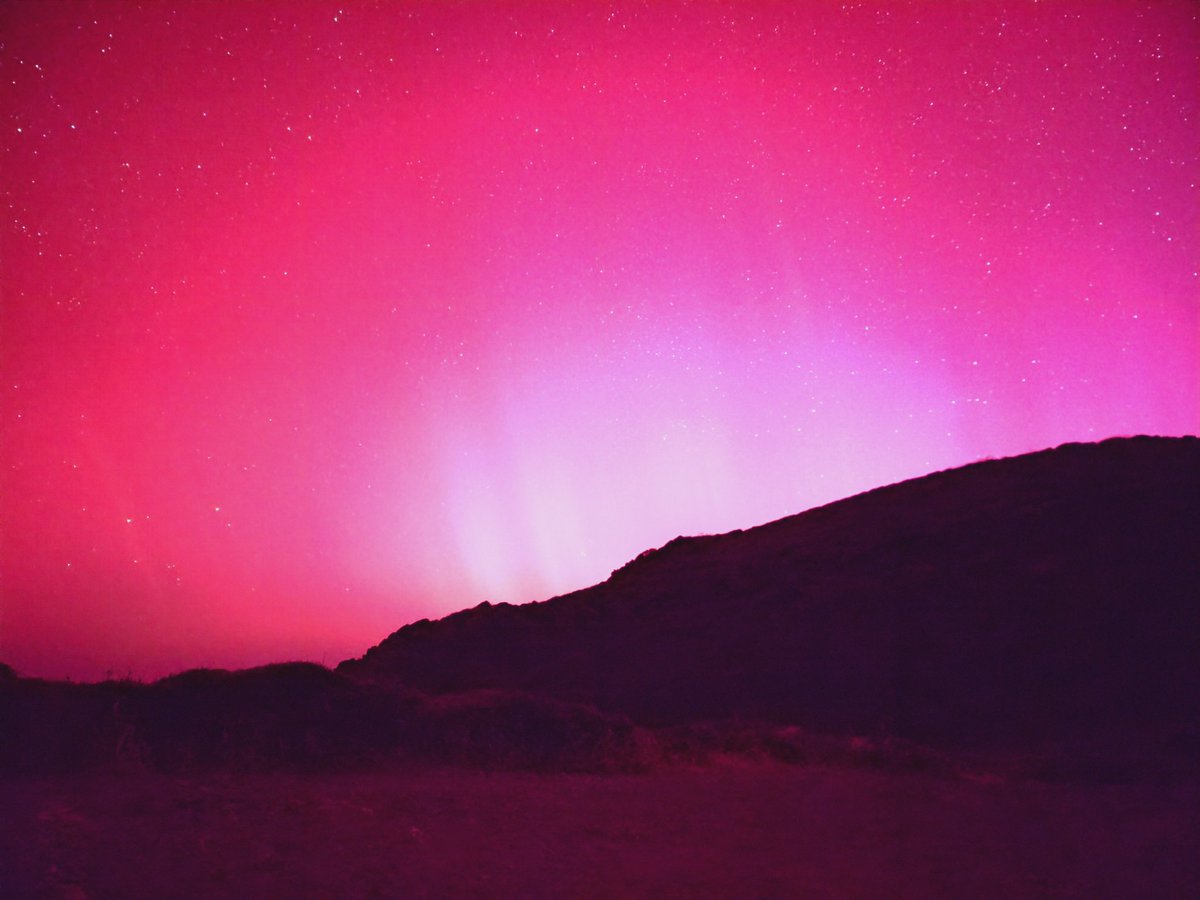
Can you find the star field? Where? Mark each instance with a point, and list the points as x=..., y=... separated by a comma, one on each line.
x=317, y=319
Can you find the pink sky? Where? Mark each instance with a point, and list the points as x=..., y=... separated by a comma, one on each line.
x=317, y=319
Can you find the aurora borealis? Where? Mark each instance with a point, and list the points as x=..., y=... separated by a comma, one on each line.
x=317, y=319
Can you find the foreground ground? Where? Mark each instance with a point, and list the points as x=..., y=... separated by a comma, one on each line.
x=762, y=831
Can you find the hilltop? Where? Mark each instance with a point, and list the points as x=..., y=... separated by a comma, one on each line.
x=1044, y=600
x=1035, y=615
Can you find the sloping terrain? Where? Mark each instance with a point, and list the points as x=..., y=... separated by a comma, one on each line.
x=924, y=648
x=1048, y=600
x=1031, y=616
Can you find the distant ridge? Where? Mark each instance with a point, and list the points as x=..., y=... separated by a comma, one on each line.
x=1049, y=599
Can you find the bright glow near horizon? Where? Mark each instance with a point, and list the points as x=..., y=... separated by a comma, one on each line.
x=320, y=319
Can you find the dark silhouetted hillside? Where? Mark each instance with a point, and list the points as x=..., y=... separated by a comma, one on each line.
x=1037, y=615
x=1048, y=600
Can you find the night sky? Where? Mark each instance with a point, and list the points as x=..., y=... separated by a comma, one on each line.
x=320, y=319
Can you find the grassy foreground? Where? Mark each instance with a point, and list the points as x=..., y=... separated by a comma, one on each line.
x=744, y=829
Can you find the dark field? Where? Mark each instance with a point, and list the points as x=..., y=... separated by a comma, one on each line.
x=758, y=830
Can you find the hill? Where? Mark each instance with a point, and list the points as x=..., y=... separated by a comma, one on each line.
x=1050, y=600
x=1028, y=616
